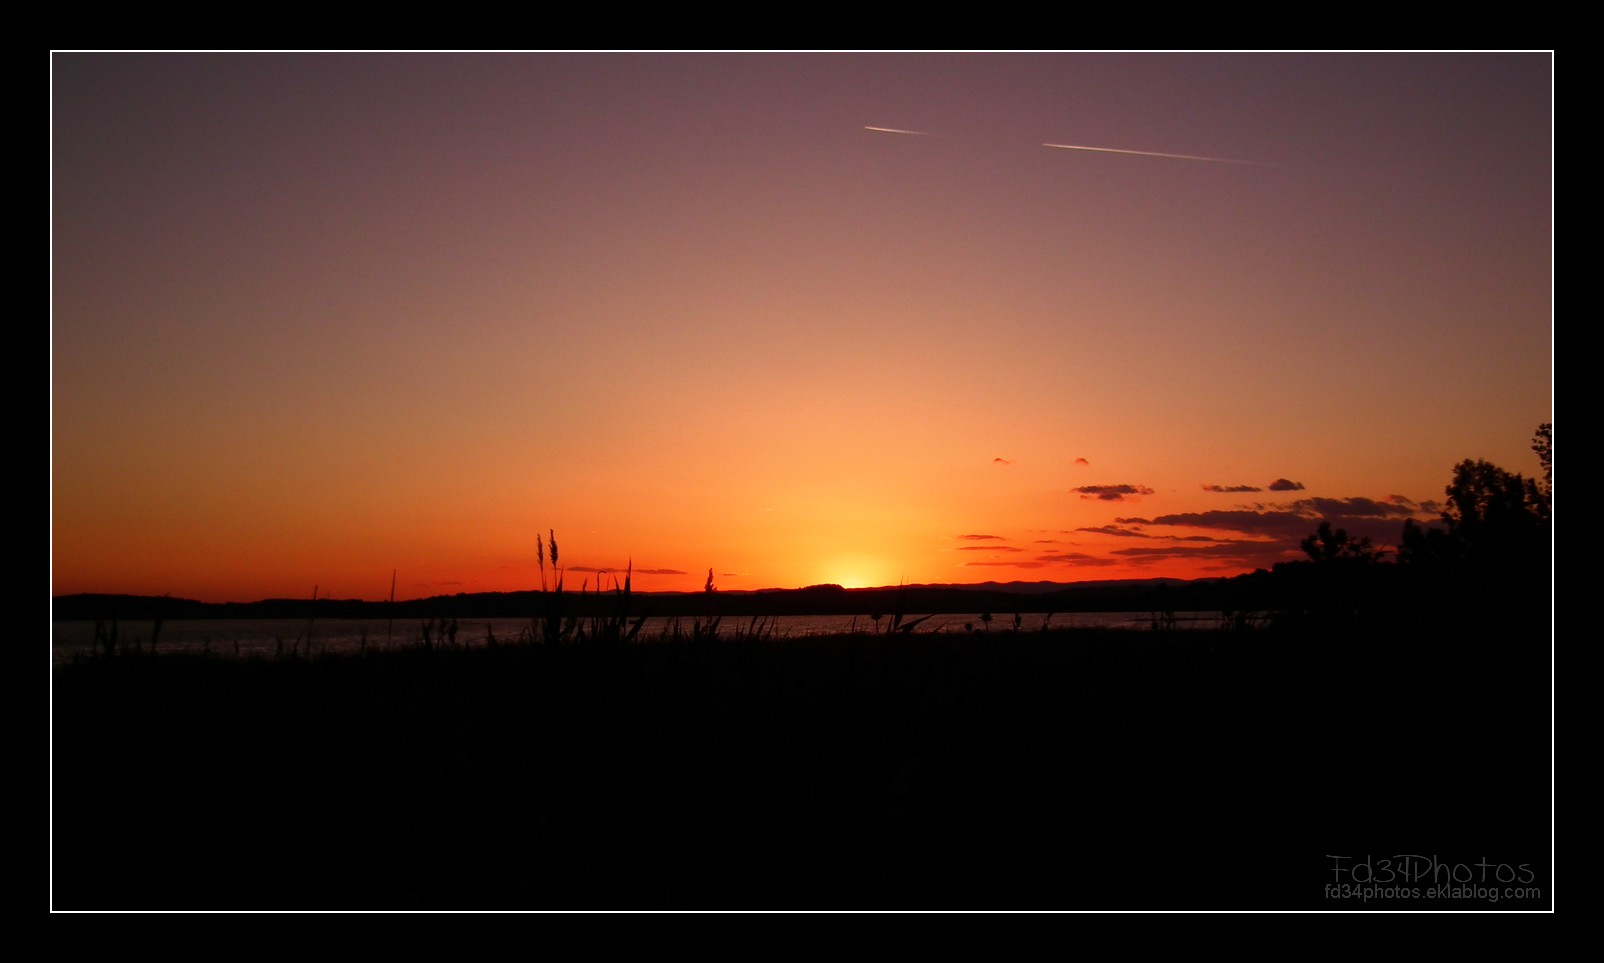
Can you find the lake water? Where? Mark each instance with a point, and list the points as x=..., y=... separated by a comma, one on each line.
x=269, y=637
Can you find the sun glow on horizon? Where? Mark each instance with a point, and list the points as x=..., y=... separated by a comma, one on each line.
x=857, y=571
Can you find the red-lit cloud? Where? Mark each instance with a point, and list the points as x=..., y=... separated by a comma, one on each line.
x=1076, y=558
x=1116, y=530
x=1111, y=493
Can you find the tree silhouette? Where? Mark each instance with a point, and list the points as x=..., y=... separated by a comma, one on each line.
x=1337, y=584
x=1543, y=444
x=1328, y=546
x=1493, y=518
x=1493, y=544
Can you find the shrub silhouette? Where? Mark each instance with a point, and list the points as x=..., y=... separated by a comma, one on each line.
x=1328, y=546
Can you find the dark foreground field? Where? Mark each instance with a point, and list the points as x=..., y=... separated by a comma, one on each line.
x=1064, y=770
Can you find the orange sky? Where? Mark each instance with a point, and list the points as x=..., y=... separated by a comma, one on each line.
x=318, y=317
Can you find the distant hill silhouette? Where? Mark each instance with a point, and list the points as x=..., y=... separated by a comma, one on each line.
x=1116, y=595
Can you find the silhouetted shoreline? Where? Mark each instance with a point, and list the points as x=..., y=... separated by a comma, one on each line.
x=1132, y=595
x=1081, y=769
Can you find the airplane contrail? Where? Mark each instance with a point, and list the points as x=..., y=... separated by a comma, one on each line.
x=1154, y=153
x=1100, y=150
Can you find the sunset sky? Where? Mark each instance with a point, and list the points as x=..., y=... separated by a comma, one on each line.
x=319, y=317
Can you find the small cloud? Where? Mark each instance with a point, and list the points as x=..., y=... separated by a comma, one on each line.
x=1256, y=554
x=1269, y=524
x=1075, y=558
x=1430, y=506
x=666, y=571
x=1226, y=549
x=978, y=538
x=1003, y=564
x=1002, y=461
x=1232, y=488
x=723, y=574
x=1082, y=461
x=1119, y=530
x=1403, y=500
x=1111, y=493
x=1357, y=507
x=989, y=548
x=1286, y=485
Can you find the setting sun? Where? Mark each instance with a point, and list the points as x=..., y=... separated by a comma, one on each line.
x=858, y=572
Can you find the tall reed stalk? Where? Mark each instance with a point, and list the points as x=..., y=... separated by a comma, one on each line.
x=548, y=625
x=389, y=623
x=614, y=627
x=311, y=619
